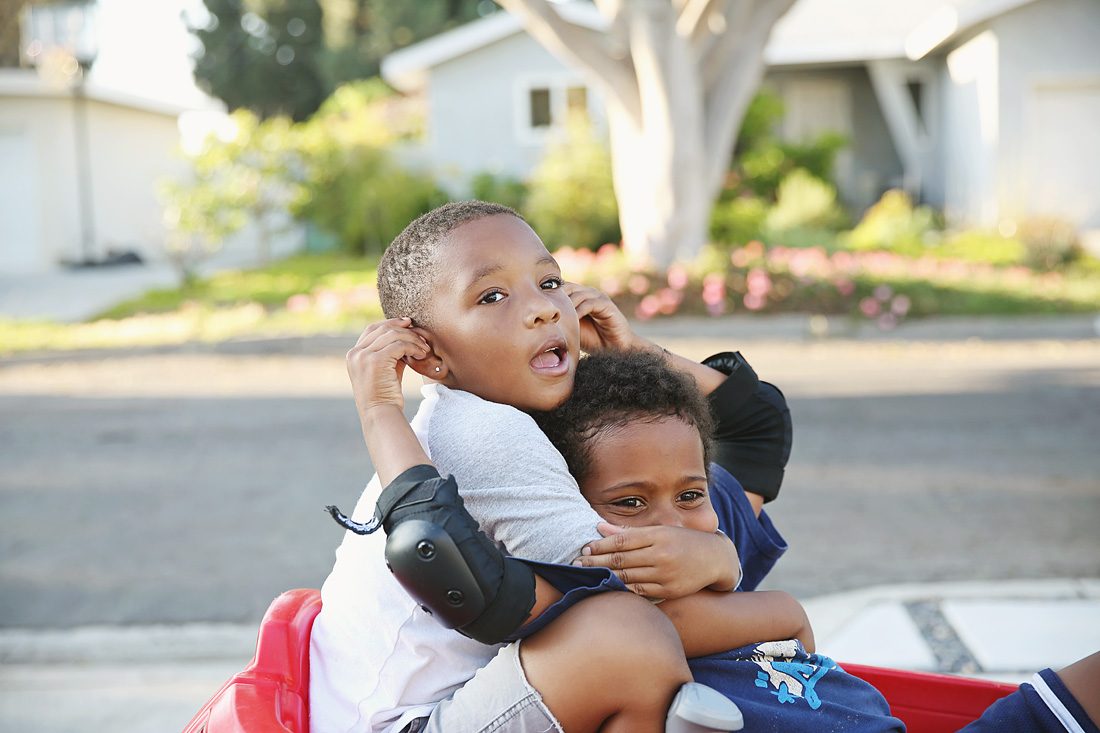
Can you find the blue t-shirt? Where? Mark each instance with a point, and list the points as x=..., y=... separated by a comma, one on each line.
x=777, y=685
x=758, y=542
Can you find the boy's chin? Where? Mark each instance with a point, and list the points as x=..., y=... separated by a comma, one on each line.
x=554, y=398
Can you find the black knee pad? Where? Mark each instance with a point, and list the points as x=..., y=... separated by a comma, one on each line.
x=444, y=561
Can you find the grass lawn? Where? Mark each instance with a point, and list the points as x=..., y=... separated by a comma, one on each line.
x=269, y=286
x=311, y=294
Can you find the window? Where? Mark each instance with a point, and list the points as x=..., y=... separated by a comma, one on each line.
x=576, y=100
x=545, y=104
x=540, y=108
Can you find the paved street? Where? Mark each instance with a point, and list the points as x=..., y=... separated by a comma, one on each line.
x=188, y=486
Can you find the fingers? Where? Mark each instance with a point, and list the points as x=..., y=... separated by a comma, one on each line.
x=620, y=539
x=591, y=303
x=607, y=529
x=387, y=336
x=372, y=330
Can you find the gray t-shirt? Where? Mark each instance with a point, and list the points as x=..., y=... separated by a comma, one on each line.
x=512, y=479
x=377, y=661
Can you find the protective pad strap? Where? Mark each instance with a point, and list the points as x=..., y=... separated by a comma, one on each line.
x=415, y=485
x=509, y=609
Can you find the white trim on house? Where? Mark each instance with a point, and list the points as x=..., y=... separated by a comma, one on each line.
x=27, y=83
x=949, y=21
x=406, y=69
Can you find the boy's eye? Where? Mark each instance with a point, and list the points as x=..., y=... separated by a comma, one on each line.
x=493, y=296
x=551, y=283
x=629, y=502
x=692, y=496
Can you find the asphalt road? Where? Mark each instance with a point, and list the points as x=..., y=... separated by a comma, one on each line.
x=189, y=486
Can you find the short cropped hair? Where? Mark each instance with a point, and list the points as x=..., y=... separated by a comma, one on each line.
x=408, y=269
x=615, y=388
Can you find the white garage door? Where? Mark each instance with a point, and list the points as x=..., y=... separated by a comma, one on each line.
x=20, y=245
x=1064, y=152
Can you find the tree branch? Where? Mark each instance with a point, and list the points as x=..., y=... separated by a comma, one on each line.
x=694, y=17
x=715, y=57
x=583, y=46
x=728, y=93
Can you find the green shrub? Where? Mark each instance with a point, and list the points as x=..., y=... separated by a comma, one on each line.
x=499, y=189
x=803, y=201
x=365, y=199
x=983, y=246
x=738, y=220
x=571, y=201
x=762, y=160
x=352, y=187
x=894, y=224
x=1050, y=243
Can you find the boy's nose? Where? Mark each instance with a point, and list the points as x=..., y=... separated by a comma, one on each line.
x=669, y=518
x=542, y=310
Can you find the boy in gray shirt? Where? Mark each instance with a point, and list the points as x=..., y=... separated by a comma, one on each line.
x=492, y=323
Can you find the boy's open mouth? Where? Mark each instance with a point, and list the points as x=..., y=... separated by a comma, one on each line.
x=552, y=357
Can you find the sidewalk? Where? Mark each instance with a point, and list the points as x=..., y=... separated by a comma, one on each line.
x=74, y=295
x=146, y=679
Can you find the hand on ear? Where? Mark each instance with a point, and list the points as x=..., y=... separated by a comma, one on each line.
x=430, y=366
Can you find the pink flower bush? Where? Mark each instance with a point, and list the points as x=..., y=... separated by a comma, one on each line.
x=883, y=287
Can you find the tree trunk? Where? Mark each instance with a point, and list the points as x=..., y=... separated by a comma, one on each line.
x=662, y=189
x=658, y=154
x=677, y=76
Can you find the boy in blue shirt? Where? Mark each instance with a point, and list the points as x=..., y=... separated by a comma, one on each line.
x=637, y=437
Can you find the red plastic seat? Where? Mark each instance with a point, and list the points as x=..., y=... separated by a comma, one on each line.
x=271, y=695
x=932, y=703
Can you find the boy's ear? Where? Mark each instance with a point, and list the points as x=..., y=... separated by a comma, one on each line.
x=431, y=366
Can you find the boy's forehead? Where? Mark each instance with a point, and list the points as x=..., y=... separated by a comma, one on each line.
x=476, y=243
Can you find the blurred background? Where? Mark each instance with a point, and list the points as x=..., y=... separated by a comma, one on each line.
x=892, y=207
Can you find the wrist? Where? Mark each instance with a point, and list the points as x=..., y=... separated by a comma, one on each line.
x=380, y=416
x=728, y=572
x=639, y=343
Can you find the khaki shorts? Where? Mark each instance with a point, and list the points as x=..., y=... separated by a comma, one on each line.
x=498, y=698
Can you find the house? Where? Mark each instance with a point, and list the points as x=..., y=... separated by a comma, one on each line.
x=67, y=197
x=987, y=109
x=82, y=156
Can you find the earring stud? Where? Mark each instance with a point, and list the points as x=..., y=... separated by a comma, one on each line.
x=437, y=369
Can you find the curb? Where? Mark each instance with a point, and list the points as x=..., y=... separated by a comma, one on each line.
x=203, y=642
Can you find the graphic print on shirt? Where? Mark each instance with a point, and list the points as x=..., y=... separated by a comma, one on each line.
x=789, y=673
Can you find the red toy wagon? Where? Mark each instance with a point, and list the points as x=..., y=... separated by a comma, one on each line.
x=271, y=695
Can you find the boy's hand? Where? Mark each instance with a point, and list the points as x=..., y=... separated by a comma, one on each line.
x=377, y=361
x=603, y=326
x=665, y=562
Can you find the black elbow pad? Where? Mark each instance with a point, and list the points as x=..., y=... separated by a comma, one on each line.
x=444, y=561
x=753, y=433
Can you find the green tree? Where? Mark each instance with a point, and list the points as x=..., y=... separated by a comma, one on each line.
x=263, y=55
x=248, y=178
x=10, y=10
x=358, y=33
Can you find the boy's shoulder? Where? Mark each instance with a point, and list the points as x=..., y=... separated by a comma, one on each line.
x=466, y=434
x=465, y=418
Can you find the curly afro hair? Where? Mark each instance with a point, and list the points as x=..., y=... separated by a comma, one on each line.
x=407, y=271
x=616, y=388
